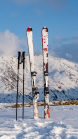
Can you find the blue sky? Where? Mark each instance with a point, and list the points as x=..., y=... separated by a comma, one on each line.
x=60, y=16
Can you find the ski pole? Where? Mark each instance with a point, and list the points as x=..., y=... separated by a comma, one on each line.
x=19, y=54
x=23, y=57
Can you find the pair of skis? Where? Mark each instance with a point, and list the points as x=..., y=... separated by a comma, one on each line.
x=35, y=94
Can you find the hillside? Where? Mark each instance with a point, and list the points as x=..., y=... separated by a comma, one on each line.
x=63, y=79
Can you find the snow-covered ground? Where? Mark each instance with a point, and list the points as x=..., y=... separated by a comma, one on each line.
x=63, y=84
x=63, y=123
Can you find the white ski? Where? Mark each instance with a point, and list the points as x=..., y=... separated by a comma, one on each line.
x=45, y=71
x=35, y=94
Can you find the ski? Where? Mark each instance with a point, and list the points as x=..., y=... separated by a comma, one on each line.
x=35, y=94
x=45, y=71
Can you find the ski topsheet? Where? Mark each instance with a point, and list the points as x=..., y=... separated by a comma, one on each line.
x=35, y=94
x=45, y=71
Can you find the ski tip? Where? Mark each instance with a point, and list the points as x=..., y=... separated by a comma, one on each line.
x=29, y=29
x=45, y=28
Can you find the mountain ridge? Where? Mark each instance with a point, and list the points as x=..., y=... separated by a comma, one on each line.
x=63, y=79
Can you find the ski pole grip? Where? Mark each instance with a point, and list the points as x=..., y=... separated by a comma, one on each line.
x=23, y=56
x=19, y=56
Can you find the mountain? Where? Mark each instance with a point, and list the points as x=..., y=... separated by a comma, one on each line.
x=63, y=79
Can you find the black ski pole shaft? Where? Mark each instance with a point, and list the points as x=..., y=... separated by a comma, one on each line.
x=23, y=95
x=19, y=54
x=17, y=93
x=23, y=56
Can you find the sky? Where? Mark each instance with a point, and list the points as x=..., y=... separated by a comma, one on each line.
x=60, y=16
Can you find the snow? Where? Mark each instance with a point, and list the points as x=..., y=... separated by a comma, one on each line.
x=63, y=123
x=63, y=84
x=63, y=79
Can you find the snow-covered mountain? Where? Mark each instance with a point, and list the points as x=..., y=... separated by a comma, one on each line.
x=63, y=79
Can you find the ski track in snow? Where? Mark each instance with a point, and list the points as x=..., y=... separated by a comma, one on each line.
x=63, y=123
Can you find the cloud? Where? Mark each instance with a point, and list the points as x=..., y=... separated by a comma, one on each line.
x=75, y=37
x=66, y=48
x=10, y=44
x=58, y=38
x=68, y=55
